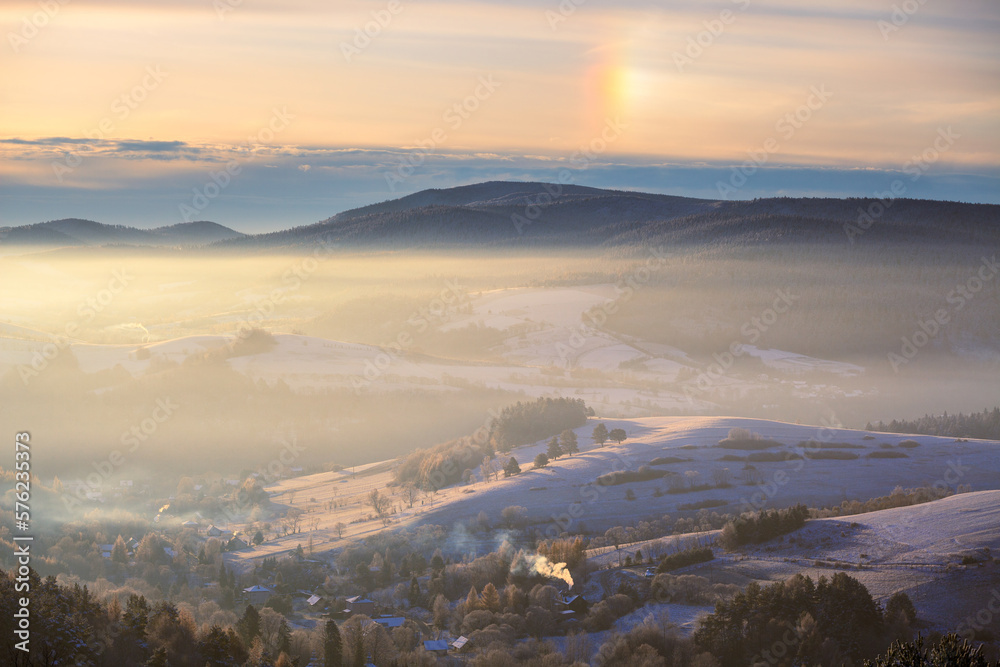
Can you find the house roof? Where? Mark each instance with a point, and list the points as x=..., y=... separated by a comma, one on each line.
x=460, y=642
x=435, y=645
x=391, y=622
x=257, y=589
x=359, y=598
x=313, y=600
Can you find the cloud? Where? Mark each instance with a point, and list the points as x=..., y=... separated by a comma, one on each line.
x=154, y=146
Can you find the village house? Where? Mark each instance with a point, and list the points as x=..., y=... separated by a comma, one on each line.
x=360, y=605
x=257, y=595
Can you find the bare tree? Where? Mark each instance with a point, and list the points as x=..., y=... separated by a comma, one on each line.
x=410, y=494
x=490, y=468
x=339, y=528
x=380, y=504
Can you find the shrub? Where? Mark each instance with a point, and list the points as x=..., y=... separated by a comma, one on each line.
x=772, y=457
x=667, y=460
x=643, y=474
x=881, y=454
x=685, y=558
x=815, y=444
x=703, y=504
x=748, y=445
x=832, y=456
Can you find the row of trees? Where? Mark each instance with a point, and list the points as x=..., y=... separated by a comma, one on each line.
x=985, y=425
x=524, y=423
x=762, y=526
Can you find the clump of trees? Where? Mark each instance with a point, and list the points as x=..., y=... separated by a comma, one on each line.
x=829, y=622
x=899, y=497
x=442, y=465
x=643, y=474
x=762, y=526
x=685, y=558
x=524, y=423
x=984, y=425
x=745, y=439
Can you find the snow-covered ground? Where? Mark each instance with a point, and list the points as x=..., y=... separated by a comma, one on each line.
x=564, y=495
x=551, y=347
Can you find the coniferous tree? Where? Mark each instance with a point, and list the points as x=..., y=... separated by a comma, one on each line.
x=249, y=625
x=568, y=442
x=511, y=468
x=332, y=646
x=554, y=450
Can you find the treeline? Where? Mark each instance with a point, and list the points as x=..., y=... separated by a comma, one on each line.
x=801, y=622
x=524, y=423
x=685, y=558
x=518, y=424
x=984, y=425
x=899, y=497
x=762, y=526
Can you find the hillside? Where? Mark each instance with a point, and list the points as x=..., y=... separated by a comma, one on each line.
x=503, y=214
x=511, y=214
x=77, y=232
x=565, y=496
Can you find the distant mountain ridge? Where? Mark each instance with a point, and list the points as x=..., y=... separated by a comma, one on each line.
x=501, y=214
x=78, y=232
x=521, y=214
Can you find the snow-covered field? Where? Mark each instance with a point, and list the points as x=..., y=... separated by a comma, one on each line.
x=548, y=331
x=564, y=495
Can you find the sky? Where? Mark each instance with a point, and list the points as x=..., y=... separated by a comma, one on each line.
x=266, y=114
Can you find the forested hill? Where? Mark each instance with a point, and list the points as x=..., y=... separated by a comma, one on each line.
x=509, y=214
